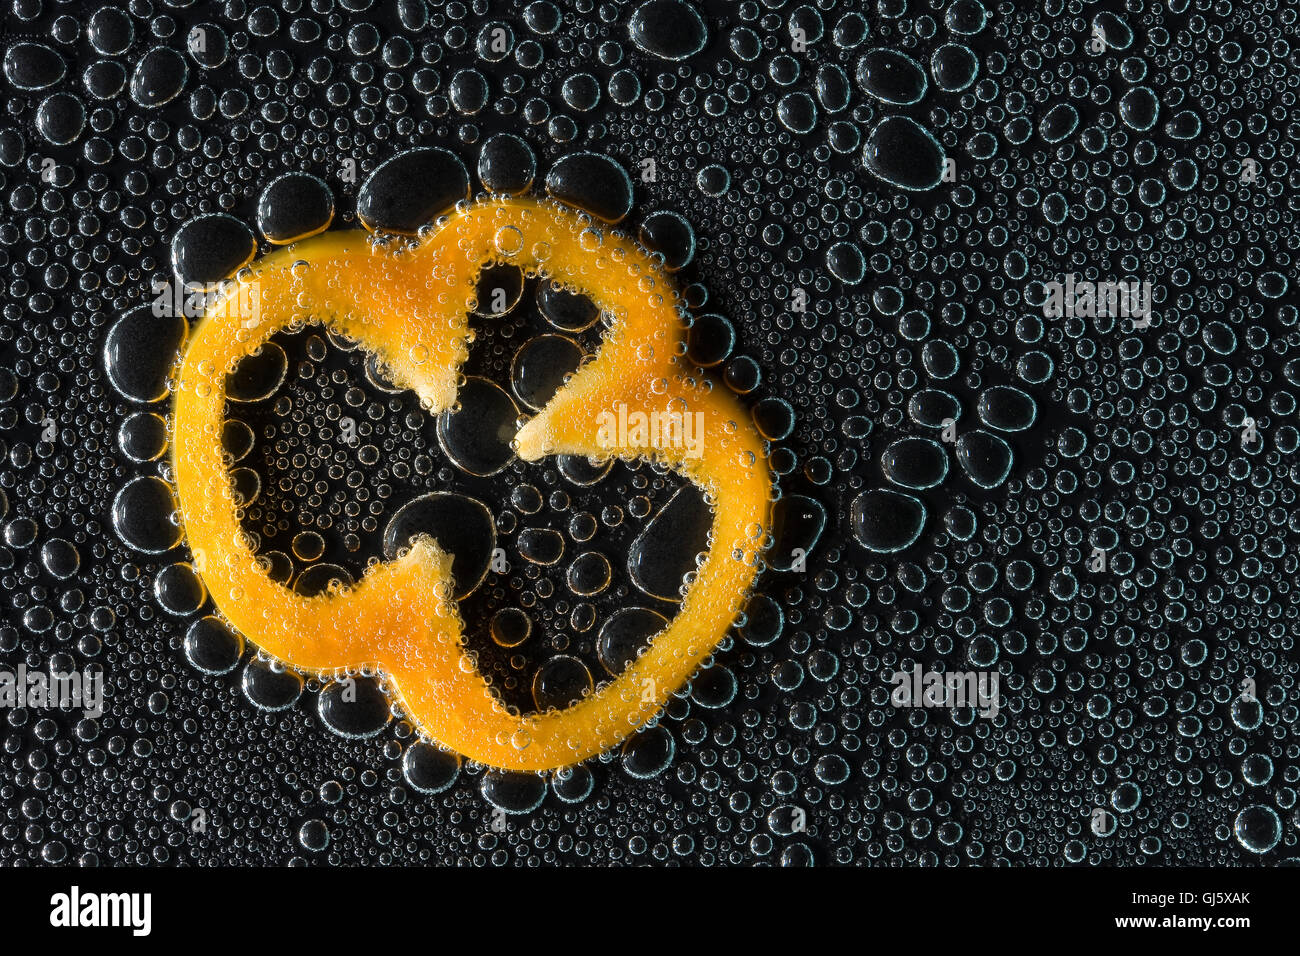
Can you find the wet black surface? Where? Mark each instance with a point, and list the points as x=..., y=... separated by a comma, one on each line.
x=867, y=205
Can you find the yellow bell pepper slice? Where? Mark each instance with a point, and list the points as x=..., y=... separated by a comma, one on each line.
x=409, y=304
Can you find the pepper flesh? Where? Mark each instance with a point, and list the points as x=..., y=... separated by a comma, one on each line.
x=409, y=305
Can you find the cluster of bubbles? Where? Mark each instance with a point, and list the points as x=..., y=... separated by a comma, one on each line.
x=875, y=198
